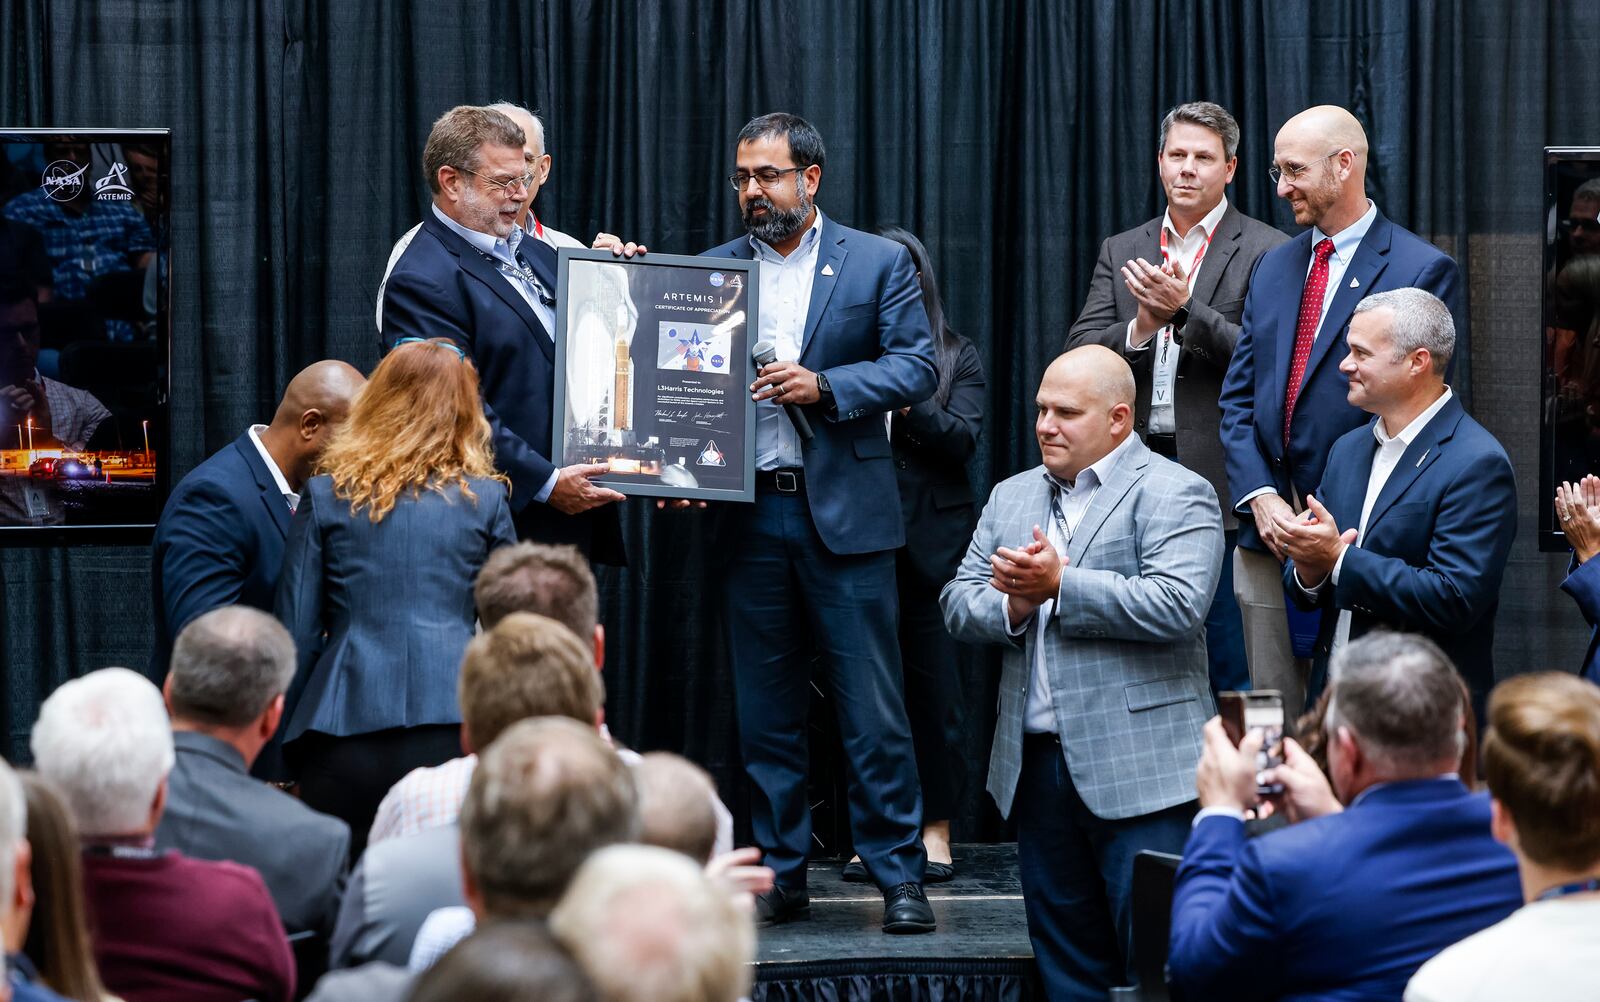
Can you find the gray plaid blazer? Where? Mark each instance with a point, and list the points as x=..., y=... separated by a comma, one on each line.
x=1125, y=650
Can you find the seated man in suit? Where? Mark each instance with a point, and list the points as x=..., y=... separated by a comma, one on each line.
x=1412, y=523
x=1104, y=688
x=221, y=535
x=230, y=668
x=1375, y=874
x=1167, y=295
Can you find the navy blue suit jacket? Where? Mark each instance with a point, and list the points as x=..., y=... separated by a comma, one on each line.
x=1346, y=906
x=867, y=330
x=381, y=613
x=443, y=287
x=219, y=542
x=1436, y=542
x=1583, y=584
x=1388, y=257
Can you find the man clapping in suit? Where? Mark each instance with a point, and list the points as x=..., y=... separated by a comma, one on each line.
x=1103, y=692
x=1167, y=295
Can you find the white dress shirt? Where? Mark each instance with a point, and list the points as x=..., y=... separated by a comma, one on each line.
x=1390, y=449
x=785, y=301
x=1039, y=715
x=1164, y=367
x=290, y=497
x=504, y=253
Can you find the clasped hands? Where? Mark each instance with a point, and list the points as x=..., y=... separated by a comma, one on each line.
x=1311, y=539
x=1159, y=291
x=1028, y=576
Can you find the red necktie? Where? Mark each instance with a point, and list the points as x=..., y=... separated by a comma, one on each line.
x=1305, y=330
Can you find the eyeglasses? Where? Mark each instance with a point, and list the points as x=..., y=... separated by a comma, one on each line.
x=438, y=344
x=509, y=185
x=1292, y=173
x=766, y=177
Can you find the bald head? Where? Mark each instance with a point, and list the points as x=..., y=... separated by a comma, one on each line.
x=533, y=150
x=1321, y=154
x=1331, y=124
x=316, y=401
x=1085, y=409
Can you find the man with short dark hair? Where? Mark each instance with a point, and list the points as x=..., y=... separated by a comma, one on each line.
x=1168, y=295
x=1378, y=870
x=230, y=669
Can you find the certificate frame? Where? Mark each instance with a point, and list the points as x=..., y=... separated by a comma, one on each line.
x=653, y=372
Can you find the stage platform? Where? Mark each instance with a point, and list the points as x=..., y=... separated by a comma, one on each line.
x=980, y=951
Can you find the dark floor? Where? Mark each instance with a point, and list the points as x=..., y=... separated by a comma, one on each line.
x=980, y=917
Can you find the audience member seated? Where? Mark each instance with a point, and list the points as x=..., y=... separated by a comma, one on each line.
x=1542, y=760
x=674, y=807
x=506, y=962
x=1373, y=876
x=648, y=926
x=18, y=980
x=546, y=794
x=526, y=666
x=164, y=926
x=1313, y=739
x=229, y=671
x=57, y=940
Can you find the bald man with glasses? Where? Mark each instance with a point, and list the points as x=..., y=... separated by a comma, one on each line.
x=1284, y=398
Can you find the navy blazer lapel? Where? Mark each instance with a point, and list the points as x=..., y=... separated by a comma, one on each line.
x=830, y=261
x=1288, y=319
x=1422, y=453
x=1224, y=244
x=473, y=263
x=1128, y=471
x=277, y=507
x=1371, y=257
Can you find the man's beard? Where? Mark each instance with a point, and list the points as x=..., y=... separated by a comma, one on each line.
x=778, y=224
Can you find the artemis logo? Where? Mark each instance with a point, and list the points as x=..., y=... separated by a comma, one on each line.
x=114, y=186
x=63, y=179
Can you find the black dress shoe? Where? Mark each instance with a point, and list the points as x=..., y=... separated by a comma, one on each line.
x=778, y=906
x=939, y=873
x=906, y=910
x=855, y=872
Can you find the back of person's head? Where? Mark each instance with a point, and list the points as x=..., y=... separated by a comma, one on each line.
x=546, y=580
x=1542, y=761
x=105, y=742
x=416, y=425
x=13, y=830
x=58, y=937
x=1400, y=697
x=505, y=961
x=675, y=809
x=527, y=666
x=228, y=666
x=544, y=795
x=649, y=926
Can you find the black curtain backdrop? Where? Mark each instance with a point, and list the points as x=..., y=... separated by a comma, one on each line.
x=1012, y=135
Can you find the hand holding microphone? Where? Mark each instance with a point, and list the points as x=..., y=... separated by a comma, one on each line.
x=788, y=384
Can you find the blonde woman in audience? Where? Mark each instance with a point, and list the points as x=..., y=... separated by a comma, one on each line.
x=1542, y=761
x=58, y=935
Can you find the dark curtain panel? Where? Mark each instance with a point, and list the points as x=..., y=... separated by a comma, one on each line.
x=1011, y=135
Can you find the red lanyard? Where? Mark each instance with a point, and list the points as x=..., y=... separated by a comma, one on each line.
x=1166, y=257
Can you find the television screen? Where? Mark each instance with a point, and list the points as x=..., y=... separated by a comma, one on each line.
x=85, y=317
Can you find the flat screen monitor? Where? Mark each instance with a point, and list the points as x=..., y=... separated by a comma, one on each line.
x=85, y=324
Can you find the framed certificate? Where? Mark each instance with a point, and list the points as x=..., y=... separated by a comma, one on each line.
x=653, y=372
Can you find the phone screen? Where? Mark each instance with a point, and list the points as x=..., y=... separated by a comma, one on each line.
x=1262, y=711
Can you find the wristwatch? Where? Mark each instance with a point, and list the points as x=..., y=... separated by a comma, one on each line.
x=1180, y=316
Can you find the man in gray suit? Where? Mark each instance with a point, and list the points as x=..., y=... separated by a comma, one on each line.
x=1168, y=296
x=1103, y=693
x=225, y=689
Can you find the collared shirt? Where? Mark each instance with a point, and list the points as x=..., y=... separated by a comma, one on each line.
x=108, y=237
x=1384, y=461
x=1164, y=367
x=785, y=300
x=1039, y=715
x=74, y=414
x=290, y=497
x=504, y=253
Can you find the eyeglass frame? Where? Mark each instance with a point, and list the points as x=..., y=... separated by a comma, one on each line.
x=1277, y=174
x=755, y=176
x=442, y=344
x=525, y=181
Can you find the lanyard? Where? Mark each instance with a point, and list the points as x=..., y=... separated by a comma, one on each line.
x=1067, y=529
x=520, y=272
x=1580, y=887
x=1166, y=258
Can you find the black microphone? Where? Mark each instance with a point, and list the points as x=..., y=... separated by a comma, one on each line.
x=764, y=354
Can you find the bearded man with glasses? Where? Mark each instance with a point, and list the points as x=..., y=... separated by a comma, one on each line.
x=474, y=275
x=1284, y=398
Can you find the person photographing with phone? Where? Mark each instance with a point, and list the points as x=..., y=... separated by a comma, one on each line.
x=1385, y=862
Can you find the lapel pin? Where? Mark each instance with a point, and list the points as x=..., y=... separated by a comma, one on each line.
x=1355, y=283
x=1423, y=456
x=827, y=269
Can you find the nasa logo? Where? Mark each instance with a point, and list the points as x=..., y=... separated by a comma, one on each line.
x=63, y=180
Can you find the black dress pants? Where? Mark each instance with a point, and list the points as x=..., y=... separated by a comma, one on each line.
x=348, y=776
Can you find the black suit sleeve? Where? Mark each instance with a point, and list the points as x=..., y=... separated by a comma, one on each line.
x=200, y=571
x=952, y=430
x=1209, y=336
x=1098, y=322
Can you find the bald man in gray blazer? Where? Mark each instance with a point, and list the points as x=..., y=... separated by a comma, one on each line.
x=1094, y=571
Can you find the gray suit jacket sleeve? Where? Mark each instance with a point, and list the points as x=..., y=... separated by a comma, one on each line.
x=973, y=610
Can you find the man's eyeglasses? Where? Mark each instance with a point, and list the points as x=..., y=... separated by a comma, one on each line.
x=508, y=185
x=439, y=344
x=1293, y=173
x=766, y=177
